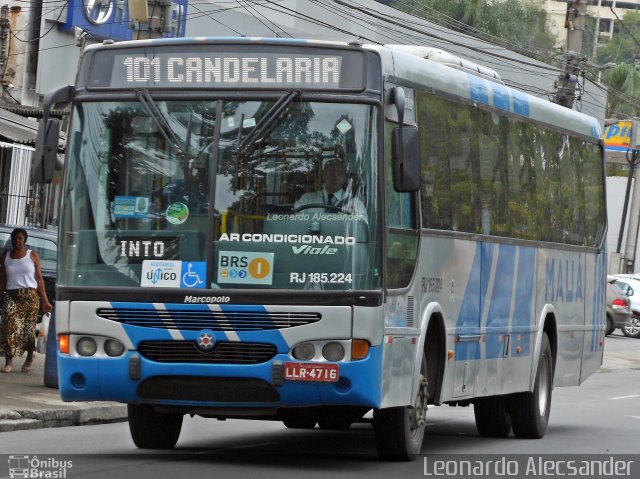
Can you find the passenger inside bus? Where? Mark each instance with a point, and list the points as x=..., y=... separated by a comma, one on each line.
x=337, y=193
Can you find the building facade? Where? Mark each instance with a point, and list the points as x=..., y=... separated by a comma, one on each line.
x=606, y=12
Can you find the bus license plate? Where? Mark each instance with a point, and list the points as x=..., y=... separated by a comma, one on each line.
x=328, y=373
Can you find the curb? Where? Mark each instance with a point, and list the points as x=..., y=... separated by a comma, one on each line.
x=11, y=420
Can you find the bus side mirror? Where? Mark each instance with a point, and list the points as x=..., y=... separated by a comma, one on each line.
x=46, y=154
x=406, y=159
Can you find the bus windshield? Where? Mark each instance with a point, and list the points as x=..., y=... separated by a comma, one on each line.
x=222, y=194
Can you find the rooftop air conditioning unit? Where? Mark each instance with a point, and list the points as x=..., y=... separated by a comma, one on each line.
x=446, y=58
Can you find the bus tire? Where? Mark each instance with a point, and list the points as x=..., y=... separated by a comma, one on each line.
x=492, y=417
x=299, y=423
x=297, y=419
x=152, y=430
x=335, y=423
x=529, y=411
x=399, y=431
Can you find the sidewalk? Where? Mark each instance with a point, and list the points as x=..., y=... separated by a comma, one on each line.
x=26, y=403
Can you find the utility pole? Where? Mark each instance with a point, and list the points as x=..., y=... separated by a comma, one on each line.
x=634, y=218
x=150, y=18
x=568, y=79
x=596, y=34
x=5, y=29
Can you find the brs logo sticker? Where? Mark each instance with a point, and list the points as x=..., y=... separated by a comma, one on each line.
x=241, y=267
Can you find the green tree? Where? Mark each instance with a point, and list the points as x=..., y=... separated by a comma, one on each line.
x=623, y=78
x=625, y=44
x=472, y=12
x=521, y=24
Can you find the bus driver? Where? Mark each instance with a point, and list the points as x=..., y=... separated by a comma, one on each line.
x=336, y=193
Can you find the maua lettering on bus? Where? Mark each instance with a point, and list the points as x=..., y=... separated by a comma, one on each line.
x=265, y=70
x=564, y=281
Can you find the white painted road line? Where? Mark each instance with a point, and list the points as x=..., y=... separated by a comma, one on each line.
x=625, y=397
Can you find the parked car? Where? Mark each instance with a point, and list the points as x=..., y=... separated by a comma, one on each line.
x=630, y=284
x=45, y=243
x=618, y=313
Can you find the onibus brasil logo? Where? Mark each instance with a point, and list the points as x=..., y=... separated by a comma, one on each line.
x=34, y=467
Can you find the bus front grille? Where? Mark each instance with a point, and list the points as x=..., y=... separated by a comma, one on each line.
x=195, y=320
x=205, y=389
x=222, y=353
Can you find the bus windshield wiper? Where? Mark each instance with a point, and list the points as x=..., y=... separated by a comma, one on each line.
x=249, y=144
x=238, y=156
x=159, y=118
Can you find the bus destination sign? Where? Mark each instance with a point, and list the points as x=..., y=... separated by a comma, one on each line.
x=230, y=70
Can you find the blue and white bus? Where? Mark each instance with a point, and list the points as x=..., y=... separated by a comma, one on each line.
x=192, y=280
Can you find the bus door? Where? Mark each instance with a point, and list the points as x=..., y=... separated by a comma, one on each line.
x=400, y=354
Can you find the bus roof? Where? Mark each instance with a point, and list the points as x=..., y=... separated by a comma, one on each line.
x=404, y=63
x=409, y=63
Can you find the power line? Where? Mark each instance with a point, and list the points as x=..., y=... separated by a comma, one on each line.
x=215, y=20
x=392, y=27
x=258, y=13
x=66, y=3
x=481, y=54
x=452, y=42
x=629, y=32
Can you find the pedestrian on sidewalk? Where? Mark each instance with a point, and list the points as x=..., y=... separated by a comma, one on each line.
x=22, y=286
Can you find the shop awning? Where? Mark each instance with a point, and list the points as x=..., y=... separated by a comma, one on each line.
x=17, y=129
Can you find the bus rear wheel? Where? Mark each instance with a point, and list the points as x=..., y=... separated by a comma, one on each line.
x=529, y=411
x=152, y=430
x=399, y=431
x=492, y=417
x=335, y=422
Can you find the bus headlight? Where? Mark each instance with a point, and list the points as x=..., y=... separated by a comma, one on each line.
x=86, y=346
x=333, y=351
x=113, y=348
x=304, y=351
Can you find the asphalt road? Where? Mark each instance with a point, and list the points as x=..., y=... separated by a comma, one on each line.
x=601, y=418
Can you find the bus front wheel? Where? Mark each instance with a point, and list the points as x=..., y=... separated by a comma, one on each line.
x=152, y=430
x=399, y=431
x=529, y=411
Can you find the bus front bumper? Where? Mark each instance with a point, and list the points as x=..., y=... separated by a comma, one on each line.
x=135, y=380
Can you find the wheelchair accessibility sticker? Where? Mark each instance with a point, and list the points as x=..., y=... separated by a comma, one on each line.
x=174, y=274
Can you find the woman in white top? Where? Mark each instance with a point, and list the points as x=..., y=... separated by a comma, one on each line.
x=21, y=282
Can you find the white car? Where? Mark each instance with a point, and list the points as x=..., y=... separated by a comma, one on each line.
x=630, y=284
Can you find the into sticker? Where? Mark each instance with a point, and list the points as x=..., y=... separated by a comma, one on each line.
x=177, y=213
